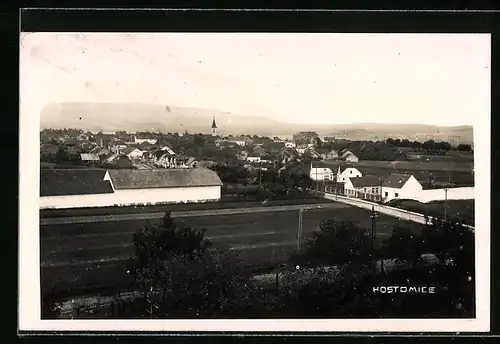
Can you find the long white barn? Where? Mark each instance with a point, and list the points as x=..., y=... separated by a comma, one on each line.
x=87, y=188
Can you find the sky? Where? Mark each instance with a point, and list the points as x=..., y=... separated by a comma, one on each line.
x=300, y=78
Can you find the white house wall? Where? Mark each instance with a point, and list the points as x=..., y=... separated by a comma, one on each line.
x=352, y=158
x=320, y=174
x=133, y=197
x=348, y=173
x=453, y=194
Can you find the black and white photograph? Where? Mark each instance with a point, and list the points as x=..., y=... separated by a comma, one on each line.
x=254, y=181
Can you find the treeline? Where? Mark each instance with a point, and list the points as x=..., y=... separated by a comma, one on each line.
x=180, y=274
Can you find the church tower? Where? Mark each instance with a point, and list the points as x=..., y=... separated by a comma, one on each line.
x=214, y=128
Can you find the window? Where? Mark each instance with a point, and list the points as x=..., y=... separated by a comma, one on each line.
x=386, y=194
x=350, y=172
x=396, y=194
x=373, y=190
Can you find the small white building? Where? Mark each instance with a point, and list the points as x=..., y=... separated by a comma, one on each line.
x=321, y=172
x=140, y=140
x=88, y=157
x=349, y=172
x=254, y=158
x=366, y=187
x=351, y=157
x=290, y=144
x=132, y=153
x=401, y=186
x=240, y=141
x=90, y=188
x=302, y=149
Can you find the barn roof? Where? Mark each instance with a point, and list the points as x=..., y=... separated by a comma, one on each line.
x=163, y=178
x=365, y=181
x=63, y=182
x=396, y=180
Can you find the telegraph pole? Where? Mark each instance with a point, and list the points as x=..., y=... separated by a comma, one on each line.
x=299, y=232
x=445, y=203
x=374, y=217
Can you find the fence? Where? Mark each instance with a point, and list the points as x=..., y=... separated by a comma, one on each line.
x=383, y=209
x=424, y=196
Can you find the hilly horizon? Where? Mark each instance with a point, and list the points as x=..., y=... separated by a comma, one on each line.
x=134, y=117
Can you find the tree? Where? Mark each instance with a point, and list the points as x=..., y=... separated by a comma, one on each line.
x=464, y=148
x=337, y=242
x=180, y=274
x=61, y=155
x=304, y=137
x=317, y=142
x=404, y=245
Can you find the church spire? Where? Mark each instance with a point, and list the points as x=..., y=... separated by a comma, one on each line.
x=214, y=127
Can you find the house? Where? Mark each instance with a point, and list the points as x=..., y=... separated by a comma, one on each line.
x=267, y=158
x=277, y=139
x=191, y=162
x=302, y=149
x=123, y=161
x=132, y=153
x=87, y=157
x=242, y=155
x=329, y=154
x=321, y=172
x=366, y=187
x=70, y=142
x=329, y=139
x=164, y=159
x=290, y=144
x=240, y=140
x=400, y=186
x=100, y=151
x=259, y=150
x=48, y=149
x=313, y=153
x=110, y=158
x=349, y=172
x=205, y=163
x=351, y=158
x=253, y=157
x=142, y=139
x=274, y=147
x=287, y=155
x=86, y=147
x=348, y=155
x=90, y=188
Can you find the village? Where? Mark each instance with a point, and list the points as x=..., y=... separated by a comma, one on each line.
x=325, y=164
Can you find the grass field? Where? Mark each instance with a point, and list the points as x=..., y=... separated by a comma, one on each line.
x=460, y=210
x=223, y=204
x=75, y=256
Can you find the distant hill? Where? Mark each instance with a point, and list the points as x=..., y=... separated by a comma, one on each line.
x=134, y=117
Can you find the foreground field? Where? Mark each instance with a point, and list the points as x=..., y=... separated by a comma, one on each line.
x=86, y=255
x=459, y=210
x=48, y=213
